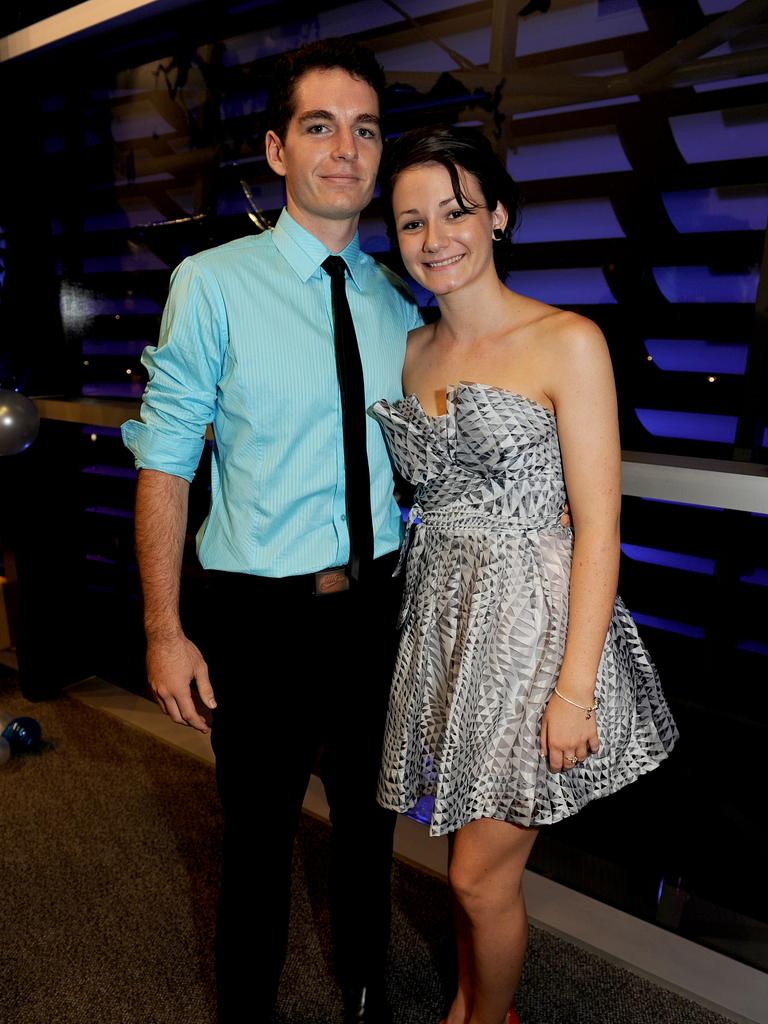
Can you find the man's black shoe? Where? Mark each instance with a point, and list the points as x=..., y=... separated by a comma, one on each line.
x=366, y=1006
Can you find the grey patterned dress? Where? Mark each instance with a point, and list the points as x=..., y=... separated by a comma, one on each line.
x=484, y=621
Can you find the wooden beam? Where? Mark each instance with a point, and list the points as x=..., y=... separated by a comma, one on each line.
x=747, y=14
x=536, y=89
x=544, y=82
x=503, y=37
x=453, y=24
x=527, y=90
x=429, y=35
x=714, y=69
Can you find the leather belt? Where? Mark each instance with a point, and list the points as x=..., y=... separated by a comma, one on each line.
x=333, y=580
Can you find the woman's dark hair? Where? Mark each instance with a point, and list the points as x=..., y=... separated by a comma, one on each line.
x=323, y=55
x=455, y=148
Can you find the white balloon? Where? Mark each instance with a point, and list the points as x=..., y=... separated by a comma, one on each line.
x=5, y=750
x=19, y=422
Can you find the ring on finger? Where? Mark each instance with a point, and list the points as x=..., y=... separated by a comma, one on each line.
x=571, y=760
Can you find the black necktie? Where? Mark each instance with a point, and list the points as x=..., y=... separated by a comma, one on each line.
x=351, y=386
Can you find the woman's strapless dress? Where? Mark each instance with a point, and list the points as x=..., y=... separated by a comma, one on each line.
x=484, y=620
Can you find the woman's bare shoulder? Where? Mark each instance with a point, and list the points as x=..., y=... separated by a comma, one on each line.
x=419, y=335
x=568, y=350
x=415, y=353
x=563, y=329
x=563, y=337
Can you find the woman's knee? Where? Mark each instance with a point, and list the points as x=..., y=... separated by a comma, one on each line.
x=479, y=891
x=480, y=887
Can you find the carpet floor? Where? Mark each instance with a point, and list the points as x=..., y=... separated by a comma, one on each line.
x=109, y=860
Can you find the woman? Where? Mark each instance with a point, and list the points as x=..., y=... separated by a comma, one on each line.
x=509, y=707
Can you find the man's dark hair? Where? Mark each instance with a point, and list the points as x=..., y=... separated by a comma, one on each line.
x=323, y=55
x=455, y=148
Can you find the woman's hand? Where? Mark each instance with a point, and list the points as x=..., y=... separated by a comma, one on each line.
x=567, y=734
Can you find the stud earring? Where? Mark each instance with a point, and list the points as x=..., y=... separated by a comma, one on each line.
x=498, y=234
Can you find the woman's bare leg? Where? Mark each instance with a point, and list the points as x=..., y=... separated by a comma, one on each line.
x=485, y=873
x=461, y=1007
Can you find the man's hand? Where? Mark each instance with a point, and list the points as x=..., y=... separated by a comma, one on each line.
x=173, y=661
x=171, y=666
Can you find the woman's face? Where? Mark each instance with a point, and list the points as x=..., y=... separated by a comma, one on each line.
x=443, y=247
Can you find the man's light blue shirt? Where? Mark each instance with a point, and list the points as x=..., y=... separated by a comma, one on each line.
x=246, y=343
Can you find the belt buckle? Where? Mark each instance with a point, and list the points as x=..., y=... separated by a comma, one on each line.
x=331, y=581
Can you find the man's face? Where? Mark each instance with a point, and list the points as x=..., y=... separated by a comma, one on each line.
x=332, y=147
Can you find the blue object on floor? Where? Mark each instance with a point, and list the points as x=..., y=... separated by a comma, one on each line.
x=23, y=734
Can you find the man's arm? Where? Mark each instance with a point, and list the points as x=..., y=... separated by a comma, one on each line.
x=172, y=660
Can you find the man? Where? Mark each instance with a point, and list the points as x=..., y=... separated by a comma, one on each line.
x=250, y=341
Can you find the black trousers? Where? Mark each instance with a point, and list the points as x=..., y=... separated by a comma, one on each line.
x=300, y=680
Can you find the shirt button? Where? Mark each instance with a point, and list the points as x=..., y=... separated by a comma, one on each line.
x=343, y=519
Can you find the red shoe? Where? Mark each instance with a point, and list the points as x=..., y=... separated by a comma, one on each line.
x=512, y=1017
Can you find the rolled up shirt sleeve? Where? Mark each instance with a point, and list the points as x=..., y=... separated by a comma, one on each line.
x=184, y=372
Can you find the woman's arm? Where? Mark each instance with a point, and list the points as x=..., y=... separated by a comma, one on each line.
x=583, y=393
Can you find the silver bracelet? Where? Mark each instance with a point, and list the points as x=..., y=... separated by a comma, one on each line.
x=589, y=710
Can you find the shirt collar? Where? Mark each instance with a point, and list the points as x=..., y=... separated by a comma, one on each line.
x=305, y=253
